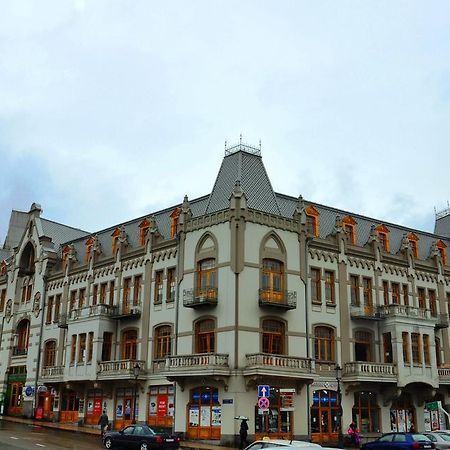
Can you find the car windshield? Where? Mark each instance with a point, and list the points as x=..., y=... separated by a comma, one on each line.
x=419, y=437
x=445, y=436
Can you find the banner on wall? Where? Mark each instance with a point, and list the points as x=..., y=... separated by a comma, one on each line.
x=97, y=406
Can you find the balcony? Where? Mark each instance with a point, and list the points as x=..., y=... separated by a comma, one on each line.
x=278, y=299
x=279, y=366
x=88, y=312
x=199, y=364
x=442, y=321
x=54, y=373
x=17, y=351
x=368, y=312
x=119, y=369
x=395, y=310
x=444, y=375
x=198, y=298
x=126, y=311
x=62, y=321
x=370, y=371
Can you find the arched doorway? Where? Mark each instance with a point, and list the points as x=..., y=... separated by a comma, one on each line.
x=324, y=416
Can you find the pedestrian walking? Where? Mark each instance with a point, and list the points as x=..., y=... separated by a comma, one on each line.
x=243, y=432
x=103, y=422
x=353, y=433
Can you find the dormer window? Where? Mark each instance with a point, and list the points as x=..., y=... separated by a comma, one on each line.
x=144, y=226
x=115, y=240
x=65, y=256
x=442, y=248
x=174, y=217
x=349, y=226
x=383, y=235
x=414, y=244
x=89, y=245
x=3, y=268
x=312, y=220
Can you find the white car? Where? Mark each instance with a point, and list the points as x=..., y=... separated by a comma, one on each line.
x=275, y=444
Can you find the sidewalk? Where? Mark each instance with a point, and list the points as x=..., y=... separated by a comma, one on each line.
x=95, y=431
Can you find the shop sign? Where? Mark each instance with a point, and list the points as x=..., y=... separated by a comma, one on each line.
x=227, y=401
x=162, y=405
x=29, y=391
x=287, y=399
x=97, y=406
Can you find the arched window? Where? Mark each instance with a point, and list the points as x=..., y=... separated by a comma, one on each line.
x=273, y=338
x=363, y=346
x=324, y=344
x=129, y=344
x=366, y=412
x=23, y=332
x=50, y=354
x=205, y=340
x=27, y=260
x=162, y=341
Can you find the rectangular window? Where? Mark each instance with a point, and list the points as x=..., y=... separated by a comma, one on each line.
x=28, y=295
x=72, y=301
x=415, y=348
x=448, y=302
x=90, y=349
x=405, y=295
x=48, y=318
x=103, y=293
x=170, y=294
x=82, y=348
x=405, y=343
x=137, y=290
x=24, y=294
x=73, y=349
x=367, y=287
x=111, y=292
x=329, y=287
x=395, y=293
x=354, y=290
x=158, y=286
x=94, y=294
x=315, y=286
x=386, y=292
x=432, y=300
x=387, y=348
x=421, y=296
x=426, y=349
x=81, y=298
x=107, y=346
x=57, y=308
x=126, y=294
x=2, y=300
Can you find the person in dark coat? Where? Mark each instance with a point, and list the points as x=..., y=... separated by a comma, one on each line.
x=243, y=432
x=103, y=421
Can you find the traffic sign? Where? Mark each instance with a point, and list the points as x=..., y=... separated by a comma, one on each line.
x=263, y=403
x=263, y=390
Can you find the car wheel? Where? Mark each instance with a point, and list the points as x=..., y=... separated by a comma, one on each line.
x=144, y=446
x=108, y=443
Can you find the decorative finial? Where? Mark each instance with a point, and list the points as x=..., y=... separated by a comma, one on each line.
x=260, y=145
x=240, y=139
x=225, y=144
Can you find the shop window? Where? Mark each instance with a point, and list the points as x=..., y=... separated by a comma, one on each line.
x=273, y=338
x=158, y=287
x=366, y=412
x=395, y=293
x=324, y=344
x=124, y=404
x=94, y=407
x=414, y=244
x=144, y=227
x=204, y=413
x=354, y=290
x=432, y=302
x=330, y=297
x=162, y=341
x=129, y=344
x=205, y=341
x=312, y=220
x=405, y=346
x=363, y=346
x=171, y=281
x=316, y=296
x=161, y=402
x=50, y=354
x=442, y=249
x=387, y=348
x=324, y=415
x=16, y=397
x=402, y=415
x=107, y=346
x=349, y=225
x=174, y=219
x=383, y=236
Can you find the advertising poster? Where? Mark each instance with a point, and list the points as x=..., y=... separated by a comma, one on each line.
x=394, y=420
x=401, y=417
x=434, y=420
x=205, y=416
x=216, y=417
x=171, y=406
x=90, y=406
x=97, y=406
x=162, y=405
x=194, y=416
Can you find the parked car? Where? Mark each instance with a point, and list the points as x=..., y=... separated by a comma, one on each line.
x=440, y=439
x=400, y=441
x=140, y=437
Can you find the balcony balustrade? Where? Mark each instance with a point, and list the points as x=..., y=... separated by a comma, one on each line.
x=370, y=371
x=444, y=375
x=119, y=369
x=127, y=311
x=365, y=312
x=204, y=364
x=396, y=310
x=200, y=297
x=17, y=351
x=267, y=364
x=278, y=299
x=52, y=373
x=100, y=309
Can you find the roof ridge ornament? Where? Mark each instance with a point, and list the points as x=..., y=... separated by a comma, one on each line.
x=243, y=147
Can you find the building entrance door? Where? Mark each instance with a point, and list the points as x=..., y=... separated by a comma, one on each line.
x=324, y=417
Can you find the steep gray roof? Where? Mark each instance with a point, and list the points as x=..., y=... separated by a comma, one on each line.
x=60, y=233
x=17, y=224
x=4, y=254
x=249, y=170
x=442, y=224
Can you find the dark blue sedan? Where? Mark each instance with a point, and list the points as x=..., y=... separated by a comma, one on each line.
x=400, y=441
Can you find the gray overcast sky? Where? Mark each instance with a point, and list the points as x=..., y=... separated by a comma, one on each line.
x=112, y=109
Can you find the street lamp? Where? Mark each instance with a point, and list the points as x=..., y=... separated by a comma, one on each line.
x=338, y=369
x=136, y=370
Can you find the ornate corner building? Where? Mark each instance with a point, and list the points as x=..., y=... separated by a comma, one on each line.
x=176, y=318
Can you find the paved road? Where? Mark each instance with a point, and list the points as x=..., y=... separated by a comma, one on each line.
x=17, y=436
